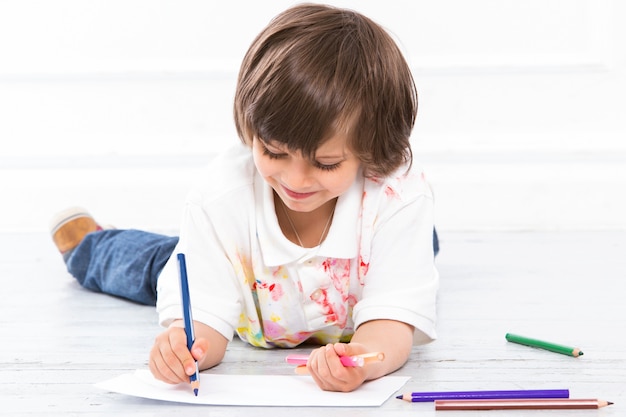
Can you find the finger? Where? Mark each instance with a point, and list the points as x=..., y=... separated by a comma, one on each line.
x=161, y=371
x=318, y=368
x=342, y=378
x=181, y=362
x=330, y=369
x=159, y=367
x=172, y=351
x=342, y=349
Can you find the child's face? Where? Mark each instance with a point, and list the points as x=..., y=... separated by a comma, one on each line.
x=302, y=184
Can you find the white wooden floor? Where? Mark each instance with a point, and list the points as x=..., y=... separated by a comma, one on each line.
x=58, y=339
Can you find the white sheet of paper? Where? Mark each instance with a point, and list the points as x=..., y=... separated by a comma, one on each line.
x=254, y=390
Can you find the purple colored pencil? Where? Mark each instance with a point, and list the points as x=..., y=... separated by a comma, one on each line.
x=418, y=397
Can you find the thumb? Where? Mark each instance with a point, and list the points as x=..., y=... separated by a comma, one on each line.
x=350, y=349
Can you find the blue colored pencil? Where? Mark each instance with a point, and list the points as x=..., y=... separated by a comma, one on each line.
x=417, y=397
x=184, y=289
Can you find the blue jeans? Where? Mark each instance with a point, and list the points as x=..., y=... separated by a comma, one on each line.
x=127, y=263
x=123, y=263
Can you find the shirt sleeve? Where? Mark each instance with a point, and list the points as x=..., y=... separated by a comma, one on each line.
x=215, y=299
x=402, y=282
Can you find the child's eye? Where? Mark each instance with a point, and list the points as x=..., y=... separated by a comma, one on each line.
x=275, y=155
x=271, y=154
x=330, y=167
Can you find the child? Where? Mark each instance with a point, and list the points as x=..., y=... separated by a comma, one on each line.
x=317, y=229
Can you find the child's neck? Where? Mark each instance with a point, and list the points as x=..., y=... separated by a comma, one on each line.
x=306, y=229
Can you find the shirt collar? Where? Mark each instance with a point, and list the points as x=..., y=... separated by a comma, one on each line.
x=340, y=242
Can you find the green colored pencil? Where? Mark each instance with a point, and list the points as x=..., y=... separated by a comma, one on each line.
x=553, y=347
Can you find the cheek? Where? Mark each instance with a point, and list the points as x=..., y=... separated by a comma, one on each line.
x=342, y=181
x=348, y=180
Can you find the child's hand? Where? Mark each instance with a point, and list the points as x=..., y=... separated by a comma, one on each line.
x=326, y=369
x=170, y=360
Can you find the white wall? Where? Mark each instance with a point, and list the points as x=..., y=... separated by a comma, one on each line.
x=111, y=104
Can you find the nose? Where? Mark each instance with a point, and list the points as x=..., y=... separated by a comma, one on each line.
x=298, y=174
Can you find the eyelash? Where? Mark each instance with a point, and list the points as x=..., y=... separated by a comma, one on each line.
x=272, y=155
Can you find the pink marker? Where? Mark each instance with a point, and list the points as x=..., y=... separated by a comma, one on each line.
x=356, y=360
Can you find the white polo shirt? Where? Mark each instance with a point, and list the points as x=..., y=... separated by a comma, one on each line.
x=246, y=277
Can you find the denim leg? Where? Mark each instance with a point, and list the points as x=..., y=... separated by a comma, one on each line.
x=123, y=263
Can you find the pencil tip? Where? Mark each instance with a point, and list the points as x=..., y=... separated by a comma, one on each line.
x=609, y=403
x=195, y=391
x=580, y=353
x=399, y=397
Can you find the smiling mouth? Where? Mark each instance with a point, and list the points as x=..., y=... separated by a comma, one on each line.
x=296, y=195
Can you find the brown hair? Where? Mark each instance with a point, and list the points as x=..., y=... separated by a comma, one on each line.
x=316, y=71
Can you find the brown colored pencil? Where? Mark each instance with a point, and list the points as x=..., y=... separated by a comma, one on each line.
x=520, y=404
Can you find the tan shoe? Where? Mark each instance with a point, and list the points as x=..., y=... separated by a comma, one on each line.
x=69, y=227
